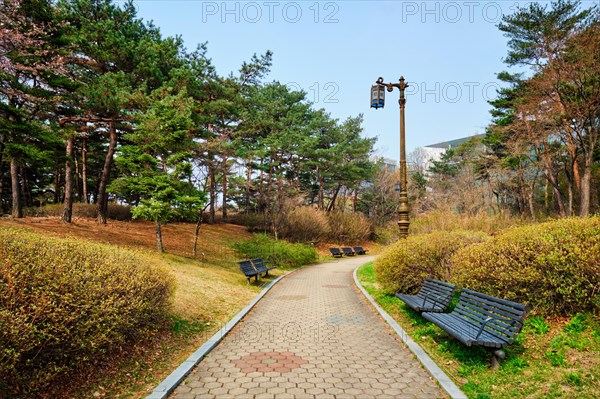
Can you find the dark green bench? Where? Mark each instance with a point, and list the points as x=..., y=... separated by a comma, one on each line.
x=434, y=296
x=360, y=250
x=348, y=251
x=261, y=266
x=482, y=320
x=336, y=253
x=249, y=270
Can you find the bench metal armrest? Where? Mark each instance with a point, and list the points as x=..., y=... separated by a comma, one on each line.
x=435, y=300
x=485, y=322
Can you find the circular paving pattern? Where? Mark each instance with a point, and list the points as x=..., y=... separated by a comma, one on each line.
x=264, y=362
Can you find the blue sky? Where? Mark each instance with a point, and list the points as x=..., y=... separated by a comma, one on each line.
x=449, y=52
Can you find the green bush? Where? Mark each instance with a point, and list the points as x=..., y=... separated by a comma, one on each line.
x=553, y=267
x=349, y=228
x=406, y=263
x=63, y=302
x=276, y=252
x=305, y=224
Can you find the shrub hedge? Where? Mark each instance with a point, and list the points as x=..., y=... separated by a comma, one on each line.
x=276, y=252
x=445, y=219
x=406, y=263
x=305, y=224
x=63, y=302
x=350, y=228
x=554, y=266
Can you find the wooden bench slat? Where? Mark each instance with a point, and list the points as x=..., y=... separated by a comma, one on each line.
x=261, y=267
x=491, y=328
x=432, y=297
x=418, y=305
x=481, y=319
x=484, y=301
x=348, y=251
x=249, y=270
x=508, y=326
x=477, y=312
x=510, y=304
x=360, y=250
x=457, y=329
x=466, y=333
x=487, y=304
x=436, y=290
x=336, y=253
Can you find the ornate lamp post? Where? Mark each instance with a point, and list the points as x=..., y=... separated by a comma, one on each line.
x=378, y=101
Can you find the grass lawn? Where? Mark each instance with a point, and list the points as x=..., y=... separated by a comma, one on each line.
x=558, y=358
x=210, y=291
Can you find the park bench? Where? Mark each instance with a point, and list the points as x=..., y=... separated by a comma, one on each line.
x=336, y=253
x=348, y=251
x=360, y=250
x=261, y=267
x=249, y=270
x=483, y=320
x=434, y=296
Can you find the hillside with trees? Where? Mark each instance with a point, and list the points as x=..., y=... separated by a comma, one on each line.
x=97, y=106
x=540, y=156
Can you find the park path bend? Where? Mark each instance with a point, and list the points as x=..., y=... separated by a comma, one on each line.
x=313, y=335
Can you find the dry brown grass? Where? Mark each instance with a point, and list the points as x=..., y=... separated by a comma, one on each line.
x=210, y=291
x=178, y=238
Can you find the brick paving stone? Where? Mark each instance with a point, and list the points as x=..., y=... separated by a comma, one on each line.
x=312, y=336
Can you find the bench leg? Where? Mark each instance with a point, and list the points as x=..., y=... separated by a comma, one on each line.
x=498, y=355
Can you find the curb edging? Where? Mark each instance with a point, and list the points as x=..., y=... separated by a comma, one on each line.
x=436, y=372
x=168, y=385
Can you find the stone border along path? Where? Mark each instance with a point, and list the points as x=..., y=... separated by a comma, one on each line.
x=312, y=336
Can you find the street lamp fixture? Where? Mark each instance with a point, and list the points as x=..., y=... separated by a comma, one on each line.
x=378, y=101
x=377, y=96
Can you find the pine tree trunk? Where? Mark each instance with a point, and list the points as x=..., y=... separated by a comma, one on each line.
x=569, y=211
x=261, y=190
x=331, y=206
x=586, y=186
x=212, y=188
x=224, y=210
x=84, y=171
x=57, y=183
x=102, y=200
x=248, y=180
x=552, y=179
x=77, y=176
x=17, y=207
x=25, y=188
x=546, y=196
x=68, y=204
x=159, y=243
x=280, y=194
x=531, y=198
x=321, y=198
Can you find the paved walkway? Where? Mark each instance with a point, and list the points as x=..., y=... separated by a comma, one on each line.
x=312, y=336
